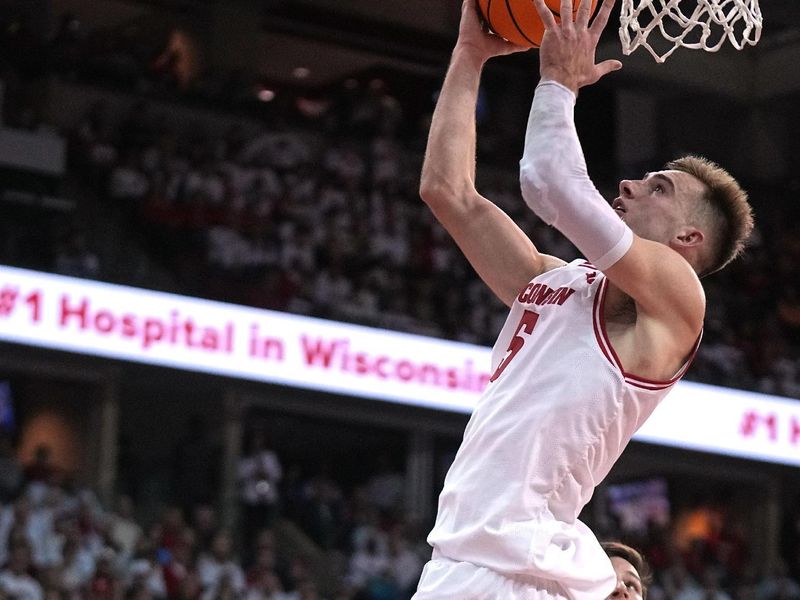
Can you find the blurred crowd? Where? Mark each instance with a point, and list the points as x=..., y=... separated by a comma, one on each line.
x=57, y=542
x=306, y=536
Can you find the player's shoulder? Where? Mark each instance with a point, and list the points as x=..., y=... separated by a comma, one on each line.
x=577, y=265
x=550, y=263
x=560, y=274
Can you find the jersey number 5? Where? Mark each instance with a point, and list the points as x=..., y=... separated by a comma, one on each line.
x=526, y=325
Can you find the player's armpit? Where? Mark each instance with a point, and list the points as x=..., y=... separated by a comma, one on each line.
x=663, y=285
x=502, y=254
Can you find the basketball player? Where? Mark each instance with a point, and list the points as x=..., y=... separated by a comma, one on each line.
x=631, y=570
x=589, y=348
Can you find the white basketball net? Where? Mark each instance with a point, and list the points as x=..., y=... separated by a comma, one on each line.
x=699, y=24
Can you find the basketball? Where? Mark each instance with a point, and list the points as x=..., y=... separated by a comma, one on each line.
x=517, y=20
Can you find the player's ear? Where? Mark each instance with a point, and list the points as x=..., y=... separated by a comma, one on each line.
x=688, y=237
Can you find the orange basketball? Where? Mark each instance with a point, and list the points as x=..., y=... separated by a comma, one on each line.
x=517, y=20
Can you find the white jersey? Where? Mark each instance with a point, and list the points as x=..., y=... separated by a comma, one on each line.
x=556, y=415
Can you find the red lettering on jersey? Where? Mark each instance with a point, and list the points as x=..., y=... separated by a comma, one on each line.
x=525, y=295
x=538, y=293
x=541, y=296
x=590, y=277
x=561, y=295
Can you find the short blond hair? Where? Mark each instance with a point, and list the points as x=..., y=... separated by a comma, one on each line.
x=727, y=212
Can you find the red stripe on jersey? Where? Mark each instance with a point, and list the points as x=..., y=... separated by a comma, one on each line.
x=599, y=302
x=608, y=349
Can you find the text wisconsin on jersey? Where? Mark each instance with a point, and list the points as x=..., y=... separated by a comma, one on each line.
x=539, y=294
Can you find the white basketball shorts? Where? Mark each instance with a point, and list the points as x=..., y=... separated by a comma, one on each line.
x=445, y=579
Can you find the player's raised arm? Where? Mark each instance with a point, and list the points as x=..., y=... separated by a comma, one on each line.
x=500, y=252
x=556, y=185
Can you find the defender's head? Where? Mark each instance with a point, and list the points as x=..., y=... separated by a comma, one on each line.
x=633, y=572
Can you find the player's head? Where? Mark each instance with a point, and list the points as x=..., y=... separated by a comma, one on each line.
x=633, y=572
x=694, y=206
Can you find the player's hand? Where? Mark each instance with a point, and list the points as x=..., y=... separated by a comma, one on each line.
x=567, y=53
x=474, y=36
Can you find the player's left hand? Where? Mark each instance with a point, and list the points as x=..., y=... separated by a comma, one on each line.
x=474, y=36
x=567, y=52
